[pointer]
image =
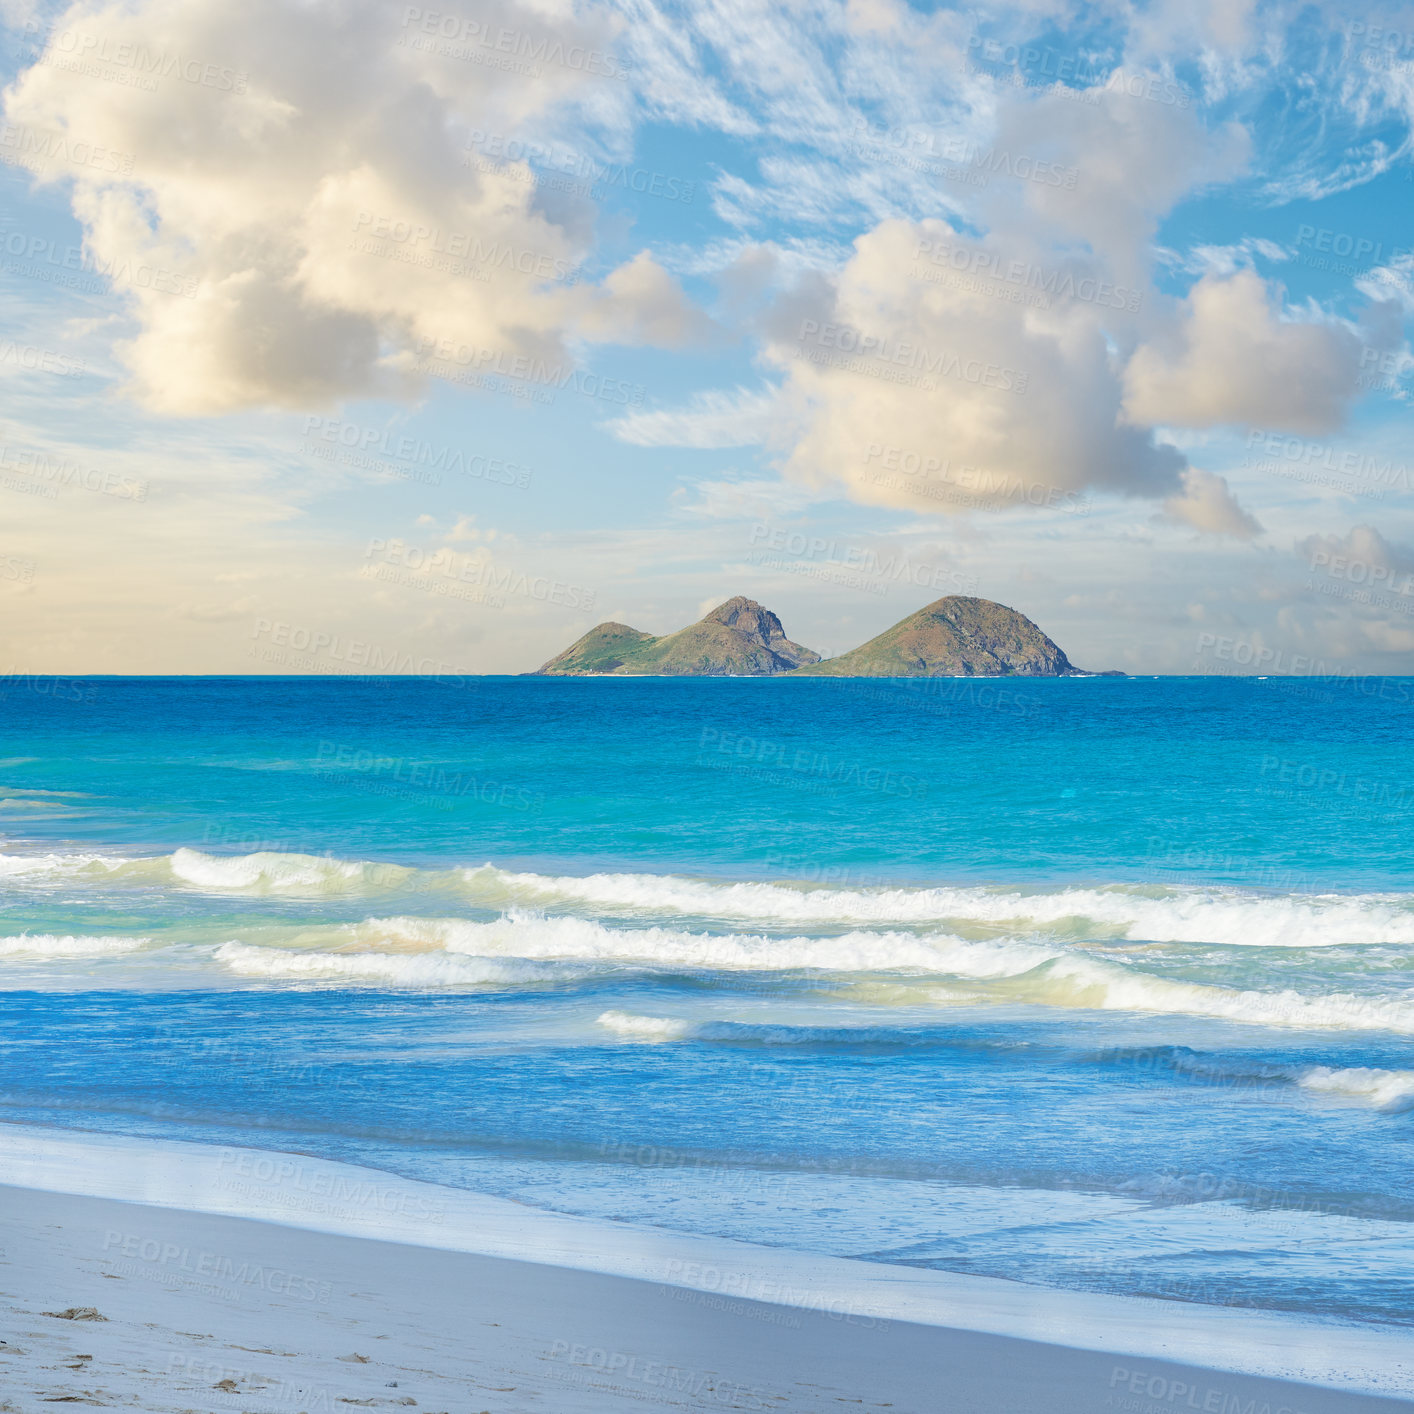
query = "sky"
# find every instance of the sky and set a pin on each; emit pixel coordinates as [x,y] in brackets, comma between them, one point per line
[345,337]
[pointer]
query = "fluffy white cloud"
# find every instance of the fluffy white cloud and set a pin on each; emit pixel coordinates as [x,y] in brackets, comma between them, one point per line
[1363,555]
[1208,505]
[318,191]
[920,385]
[1127,152]
[1232,357]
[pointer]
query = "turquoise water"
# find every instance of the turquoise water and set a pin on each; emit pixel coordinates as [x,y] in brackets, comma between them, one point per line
[1097,983]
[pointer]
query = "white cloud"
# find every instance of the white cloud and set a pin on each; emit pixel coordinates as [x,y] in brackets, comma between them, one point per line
[749,499]
[741,418]
[1363,548]
[1209,507]
[903,382]
[1232,357]
[320,200]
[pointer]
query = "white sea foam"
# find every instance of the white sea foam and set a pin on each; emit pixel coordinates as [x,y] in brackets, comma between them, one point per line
[398,970]
[524,934]
[33,945]
[1137,913]
[645,1028]
[1389,1090]
[668,1028]
[1088,982]
[273,872]
[56,867]
[1155,914]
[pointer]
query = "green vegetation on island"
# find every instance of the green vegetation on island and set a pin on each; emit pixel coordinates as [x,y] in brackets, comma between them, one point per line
[956,636]
[737,639]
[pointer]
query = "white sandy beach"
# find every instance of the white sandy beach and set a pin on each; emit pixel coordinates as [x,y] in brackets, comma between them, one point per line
[241,1280]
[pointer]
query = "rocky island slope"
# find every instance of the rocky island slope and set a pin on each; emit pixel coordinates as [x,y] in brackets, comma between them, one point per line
[740,638]
[957,636]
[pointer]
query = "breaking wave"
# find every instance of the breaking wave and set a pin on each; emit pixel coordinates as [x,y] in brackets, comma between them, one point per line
[33,945]
[1227,917]
[428,970]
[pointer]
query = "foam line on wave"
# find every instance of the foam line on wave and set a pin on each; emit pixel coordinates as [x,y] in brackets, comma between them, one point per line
[1228,917]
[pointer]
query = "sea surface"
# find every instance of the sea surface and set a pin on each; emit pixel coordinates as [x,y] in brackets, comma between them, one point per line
[1100,984]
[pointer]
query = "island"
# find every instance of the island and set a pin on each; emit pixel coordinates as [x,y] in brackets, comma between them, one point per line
[956,636]
[739,639]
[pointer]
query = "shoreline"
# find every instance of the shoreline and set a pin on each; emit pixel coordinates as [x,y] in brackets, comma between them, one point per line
[171,1217]
[216,1314]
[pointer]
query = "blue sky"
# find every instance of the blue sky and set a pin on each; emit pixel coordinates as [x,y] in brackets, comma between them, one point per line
[439,335]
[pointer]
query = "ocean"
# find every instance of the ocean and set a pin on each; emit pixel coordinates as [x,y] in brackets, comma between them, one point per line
[1096,984]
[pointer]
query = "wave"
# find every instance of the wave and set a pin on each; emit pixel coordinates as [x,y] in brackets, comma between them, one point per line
[930,947]
[1000,970]
[429,970]
[635,1026]
[646,1028]
[520,933]
[1104,986]
[34,945]
[1391,1091]
[1136,913]
[268,871]
[265,872]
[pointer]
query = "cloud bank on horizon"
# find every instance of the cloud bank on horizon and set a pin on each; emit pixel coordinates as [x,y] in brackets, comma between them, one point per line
[1091,306]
